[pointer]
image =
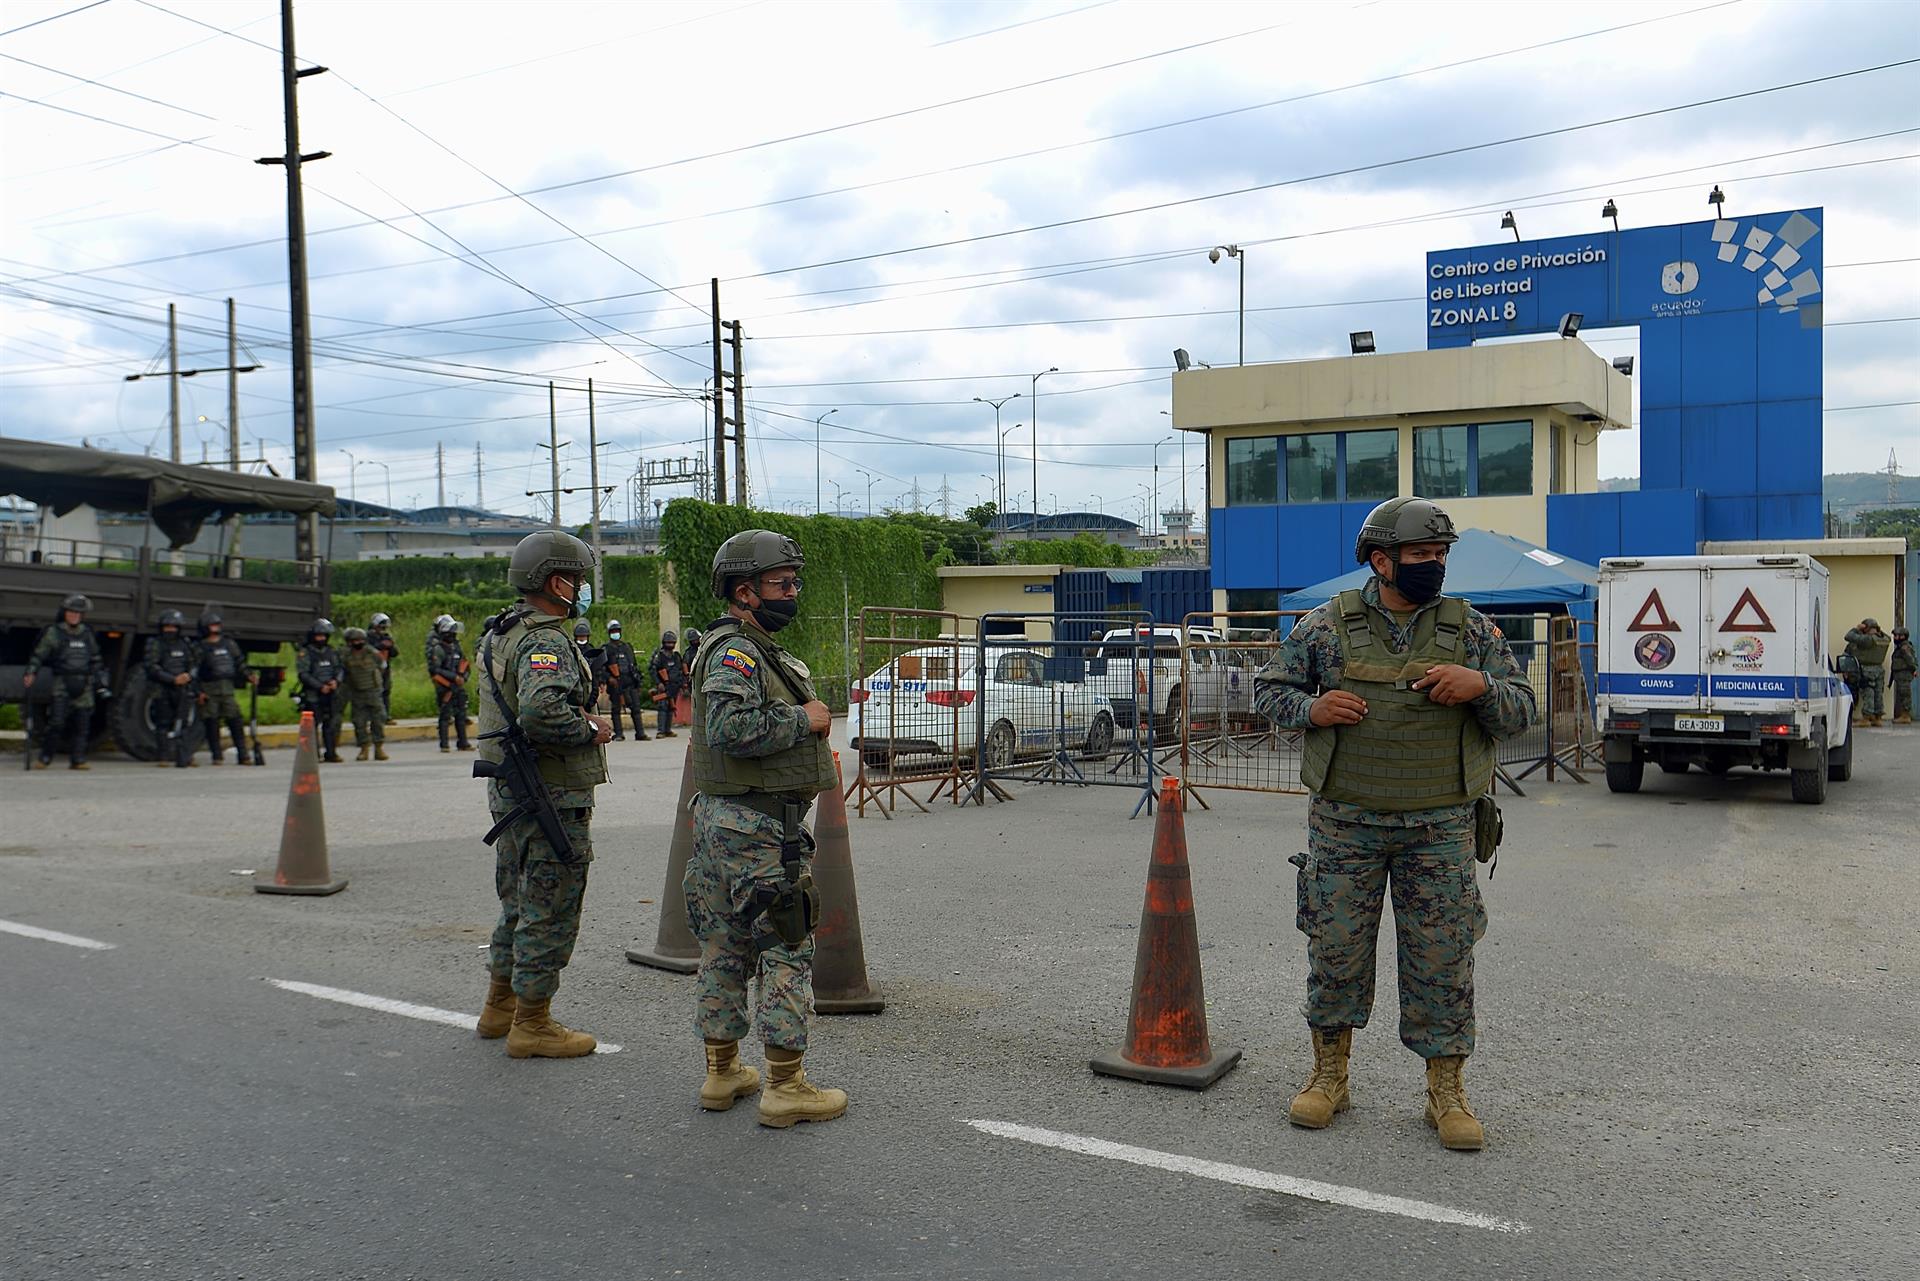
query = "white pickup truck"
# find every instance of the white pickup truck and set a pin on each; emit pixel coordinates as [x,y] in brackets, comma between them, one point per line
[1215,683]
[1718,661]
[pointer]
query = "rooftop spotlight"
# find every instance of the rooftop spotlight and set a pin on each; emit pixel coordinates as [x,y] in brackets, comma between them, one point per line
[1611,210]
[1508,224]
[1361,340]
[1570,323]
[1181,360]
[1623,365]
[1717,198]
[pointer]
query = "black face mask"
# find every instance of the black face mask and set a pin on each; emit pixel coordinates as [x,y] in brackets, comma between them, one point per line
[772,615]
[1420,581]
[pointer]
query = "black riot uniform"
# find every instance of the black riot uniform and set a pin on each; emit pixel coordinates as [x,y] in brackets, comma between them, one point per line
[223,667]
[319,668]
[669,678]
[69,656]
[171,656]
[623,683]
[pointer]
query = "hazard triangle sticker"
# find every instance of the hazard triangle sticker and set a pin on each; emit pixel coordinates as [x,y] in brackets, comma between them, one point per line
[1653,616]
[1759,622]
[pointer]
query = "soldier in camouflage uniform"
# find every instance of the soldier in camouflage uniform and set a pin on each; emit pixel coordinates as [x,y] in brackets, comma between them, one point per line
[70,653]
[222,664]
[760,757]
[534,675]
[1904,665]
[447,665]
[317,669]
[364,666]
[170,662]
[1402,693]
[1867,645]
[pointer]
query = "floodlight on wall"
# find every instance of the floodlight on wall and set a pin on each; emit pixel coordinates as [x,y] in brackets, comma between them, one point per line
[1570,323]
[1361,340]
[1508,224]
[1717,198]
[1611,210]
[1623,365]
[1181,360]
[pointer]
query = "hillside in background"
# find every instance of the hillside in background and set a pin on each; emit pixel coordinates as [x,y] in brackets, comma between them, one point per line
[1846,492]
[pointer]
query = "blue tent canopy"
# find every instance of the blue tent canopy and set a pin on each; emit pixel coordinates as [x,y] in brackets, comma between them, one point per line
[1497,573]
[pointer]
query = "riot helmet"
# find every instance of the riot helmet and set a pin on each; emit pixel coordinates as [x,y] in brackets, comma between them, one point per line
[613,629]
[322,627]
[668,640]
[1399,522]
[459,628]
[582,630]
[380,621]
[443,624]
[78,603]
[172,618]
[750,553]
[693,639]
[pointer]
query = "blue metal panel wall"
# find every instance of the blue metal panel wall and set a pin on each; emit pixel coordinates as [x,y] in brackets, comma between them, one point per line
[1308,544]
[1729,314]
[1243,540]
[1660,522]
[1171,594]
[1083,593]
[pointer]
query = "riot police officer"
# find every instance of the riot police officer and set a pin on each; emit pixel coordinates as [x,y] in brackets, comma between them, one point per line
[596,660]
[623,683]
[222,664]
[669,678]
[70,653]
[531,677]
[760,757]
[318,667]
[447,665]
[380,640]
[362,669]
[1402,693]
[170,662]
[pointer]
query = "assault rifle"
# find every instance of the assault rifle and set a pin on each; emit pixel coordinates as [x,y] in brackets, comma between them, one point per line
[519,771]
[253,723]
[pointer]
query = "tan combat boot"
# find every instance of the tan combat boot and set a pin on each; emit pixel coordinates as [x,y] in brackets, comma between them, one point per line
[364,750]
[496,1016]
[1447,1108]
[1325,1092]
[537,1034]
[790,1097]
[380,752]
[727,1077]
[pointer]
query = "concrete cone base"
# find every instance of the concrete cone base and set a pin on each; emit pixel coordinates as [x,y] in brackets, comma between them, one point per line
[325,887]
[1192,1078]
[659,960]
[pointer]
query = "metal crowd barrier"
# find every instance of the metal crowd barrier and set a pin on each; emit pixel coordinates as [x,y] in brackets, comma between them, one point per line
[908,709]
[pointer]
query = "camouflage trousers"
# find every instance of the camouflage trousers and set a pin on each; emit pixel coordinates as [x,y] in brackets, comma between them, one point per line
[1903,694]
[369,717]
[540,901]
[1426,858]
[1873,689]
[736,851]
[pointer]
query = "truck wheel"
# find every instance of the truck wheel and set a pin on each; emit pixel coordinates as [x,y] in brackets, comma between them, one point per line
[133,716]
[1810,785]
[1840,761]
[1625,776]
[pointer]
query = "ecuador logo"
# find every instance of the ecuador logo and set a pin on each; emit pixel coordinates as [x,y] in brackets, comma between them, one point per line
[543,662]
[740,661]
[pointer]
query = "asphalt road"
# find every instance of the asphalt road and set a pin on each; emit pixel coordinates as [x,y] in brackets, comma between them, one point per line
[1698,1022]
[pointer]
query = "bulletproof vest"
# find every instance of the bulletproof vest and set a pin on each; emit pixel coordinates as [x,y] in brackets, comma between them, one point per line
[218,664]
[805,769]
[363,668]
[77,651]
[384,642]
[172,656]
[1408,753]
[324,663]
[570,765]
[1872,652]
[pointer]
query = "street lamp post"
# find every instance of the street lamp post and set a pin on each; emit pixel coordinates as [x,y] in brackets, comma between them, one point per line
[1033,394]
[375,462]
[869,476]
[1003,463]
[353,475]
[1156,482]
[816,458]
[1000,490]
[1236,252]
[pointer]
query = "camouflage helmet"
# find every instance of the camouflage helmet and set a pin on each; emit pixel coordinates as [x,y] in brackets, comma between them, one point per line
[172,618]
[752,552]
[1871,622]
[544,553]
[321,627]
[77,603]
[1399,521]
[356,634]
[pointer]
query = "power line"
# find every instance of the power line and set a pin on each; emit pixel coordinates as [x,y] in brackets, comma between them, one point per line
[55,17]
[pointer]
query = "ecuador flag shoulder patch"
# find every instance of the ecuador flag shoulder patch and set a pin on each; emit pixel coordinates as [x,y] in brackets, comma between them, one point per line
[740,661]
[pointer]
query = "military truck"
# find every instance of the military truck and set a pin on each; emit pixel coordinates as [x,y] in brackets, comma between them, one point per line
[262,603]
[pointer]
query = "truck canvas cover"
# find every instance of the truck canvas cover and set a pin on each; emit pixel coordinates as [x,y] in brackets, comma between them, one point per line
[180,497]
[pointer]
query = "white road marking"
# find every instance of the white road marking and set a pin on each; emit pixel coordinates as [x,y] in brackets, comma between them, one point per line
[1242,1176]
[55,936]
[388,1005]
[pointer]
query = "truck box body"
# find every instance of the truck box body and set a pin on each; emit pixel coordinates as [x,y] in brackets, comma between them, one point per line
[1718,661]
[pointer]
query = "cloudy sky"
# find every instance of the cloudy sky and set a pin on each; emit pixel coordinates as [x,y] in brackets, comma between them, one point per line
[908,205]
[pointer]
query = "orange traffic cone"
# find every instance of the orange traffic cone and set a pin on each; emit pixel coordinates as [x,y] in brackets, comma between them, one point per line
[839,957]
[1167,1041]
[303,837]
[674,948]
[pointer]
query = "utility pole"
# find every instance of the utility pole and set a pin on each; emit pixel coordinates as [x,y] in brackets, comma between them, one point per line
[739,418]
[553,450]
[719,408]
[306,539]
[233,429]
[440,472]
[173,384]
[479,480]
[593,480]
[175,374]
